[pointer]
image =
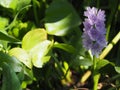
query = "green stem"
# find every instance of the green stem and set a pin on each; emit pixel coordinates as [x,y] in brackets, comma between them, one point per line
[96,78]
[94,63]
[96,74]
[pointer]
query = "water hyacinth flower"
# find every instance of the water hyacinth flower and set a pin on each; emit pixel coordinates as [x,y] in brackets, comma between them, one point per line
[94,30]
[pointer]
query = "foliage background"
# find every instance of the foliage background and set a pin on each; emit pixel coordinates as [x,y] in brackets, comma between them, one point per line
[41,48]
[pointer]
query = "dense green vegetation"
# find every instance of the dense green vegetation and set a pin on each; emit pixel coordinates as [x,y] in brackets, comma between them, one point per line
[41,46]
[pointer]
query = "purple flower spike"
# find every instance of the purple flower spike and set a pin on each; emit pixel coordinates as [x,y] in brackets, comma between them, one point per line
[94,30]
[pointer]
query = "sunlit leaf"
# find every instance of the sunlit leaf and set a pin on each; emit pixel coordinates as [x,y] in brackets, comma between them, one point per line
[21,55]
[10,79]
[66,66]
[9,3]
[3,22]
[14,4]
[39,52]
[66,47]
[32,38]
[60,18]
[67,74]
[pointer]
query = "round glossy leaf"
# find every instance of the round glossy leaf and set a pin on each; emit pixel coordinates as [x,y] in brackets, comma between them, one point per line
[39,52]
[14,4]
[61,18]
[21,55]
[9,3]
[32,38]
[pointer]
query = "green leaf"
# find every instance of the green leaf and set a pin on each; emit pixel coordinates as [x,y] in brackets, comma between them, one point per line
[39,53]
[7,37]
[61,18]
[66,47]
[101,63]
[33,38]
[13,62]
[29,73]
[66,65]
[3,22]
[9,3]
[10,79]
[28,77]
[117,69]
[21,55]
[3,45]
[14,4]
[67,73]
[21,75]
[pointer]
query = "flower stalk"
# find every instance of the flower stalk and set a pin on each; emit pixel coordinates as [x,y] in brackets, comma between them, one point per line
[96,77]
[96,74]
[94,37]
